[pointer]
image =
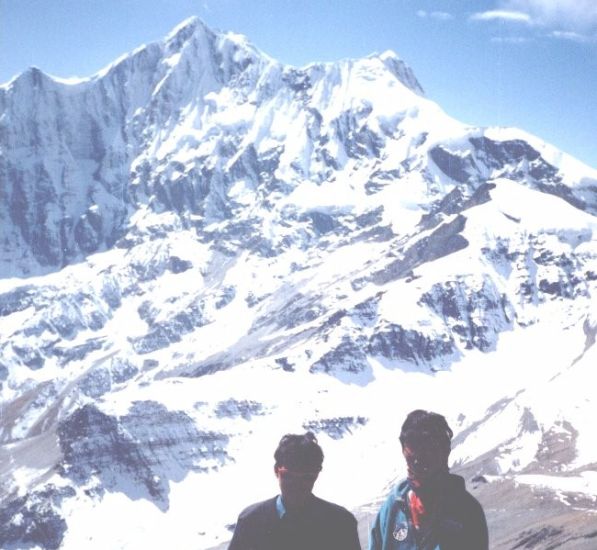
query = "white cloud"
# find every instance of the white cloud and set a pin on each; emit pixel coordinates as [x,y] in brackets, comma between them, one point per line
[503,15]
[564,19]
[579,16]
[574,36]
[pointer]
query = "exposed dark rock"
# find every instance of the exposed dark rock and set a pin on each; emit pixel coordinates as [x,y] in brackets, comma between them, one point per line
[445,240]
[111,293]
[322,223]
[34,520]
[555,288]
[149,364]
[150,269]
[537,539]
[139,453]
[284,364]
[337,427]
[96,382]
[365,314]
[357,138]
[240,234]
[348,356]
[243,409]
[333,320]
[252,300]
[456,201]
[372,230]
[177,265]
[372,217]
[164,333]
[18,299]
[515,159]
[528,422]
[76,353]
[245,165]
[557,450]
[63,317]
[500,254]
[88,232]
[147,312]
[498,154]
[57,228]
[328,159]
[395,342]
[204,368]
[29,356]
[297,80]
[380,179]
[268,162]
[378,234]
[226,295]
[122,370]
[477,316]
[459,168]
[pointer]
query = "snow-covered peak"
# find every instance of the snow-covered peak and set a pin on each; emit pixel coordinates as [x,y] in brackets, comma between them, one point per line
[31,78]
[401,70]
[187,27]
[192,29]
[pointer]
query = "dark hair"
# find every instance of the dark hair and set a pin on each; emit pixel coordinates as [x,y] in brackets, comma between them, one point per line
[300,451]
[421,426]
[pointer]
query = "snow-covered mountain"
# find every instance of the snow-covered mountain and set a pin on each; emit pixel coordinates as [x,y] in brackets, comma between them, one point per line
[203,249]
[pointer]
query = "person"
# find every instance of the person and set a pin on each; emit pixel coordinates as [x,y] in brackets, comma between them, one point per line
[431,509]
[296,519]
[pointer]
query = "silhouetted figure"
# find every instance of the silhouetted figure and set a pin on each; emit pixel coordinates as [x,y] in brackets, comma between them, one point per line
[431,509]
[296,519]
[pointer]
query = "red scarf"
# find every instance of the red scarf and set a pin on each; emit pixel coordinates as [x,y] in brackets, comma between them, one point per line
[417,509]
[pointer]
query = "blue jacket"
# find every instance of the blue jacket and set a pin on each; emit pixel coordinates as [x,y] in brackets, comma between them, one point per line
[457,523]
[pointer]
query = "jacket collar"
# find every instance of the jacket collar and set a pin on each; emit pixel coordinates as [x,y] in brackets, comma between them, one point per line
[445,486]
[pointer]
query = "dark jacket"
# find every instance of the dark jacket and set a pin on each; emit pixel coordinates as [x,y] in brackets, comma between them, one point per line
[456,523]
[321,525]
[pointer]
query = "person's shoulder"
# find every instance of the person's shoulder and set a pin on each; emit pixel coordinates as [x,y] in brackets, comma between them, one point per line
[398,492]
[464,497]
[473,504]
[400,489]
[331,509]
[263,507]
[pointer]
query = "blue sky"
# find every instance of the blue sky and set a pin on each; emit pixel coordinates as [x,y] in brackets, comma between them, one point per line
[525,63]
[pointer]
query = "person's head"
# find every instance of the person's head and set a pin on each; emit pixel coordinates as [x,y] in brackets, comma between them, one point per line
[426,441]
[298,461]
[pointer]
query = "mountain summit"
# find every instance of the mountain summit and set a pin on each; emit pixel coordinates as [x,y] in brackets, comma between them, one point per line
[75,154]
[203,249]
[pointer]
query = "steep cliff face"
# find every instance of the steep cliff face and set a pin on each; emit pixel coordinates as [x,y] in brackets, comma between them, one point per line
[173,125]
[203,249]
